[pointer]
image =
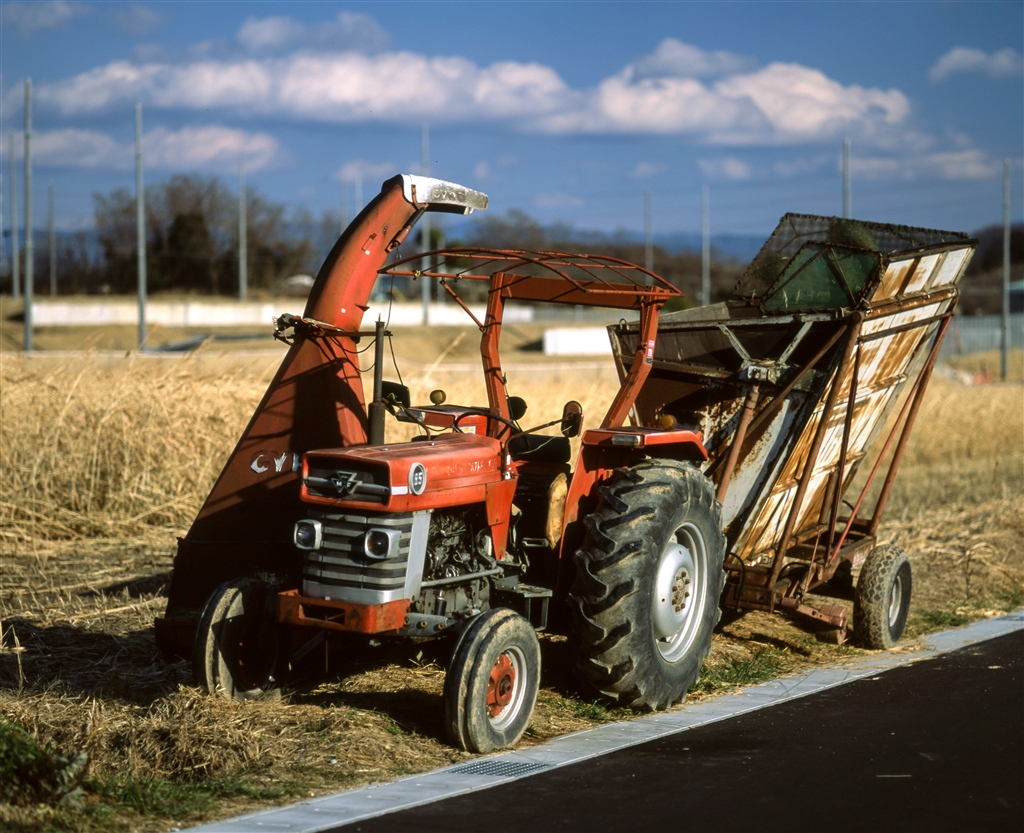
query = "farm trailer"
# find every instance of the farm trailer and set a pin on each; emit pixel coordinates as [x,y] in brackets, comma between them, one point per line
[715,478]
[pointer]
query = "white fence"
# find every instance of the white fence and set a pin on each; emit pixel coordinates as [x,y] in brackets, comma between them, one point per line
[981,333]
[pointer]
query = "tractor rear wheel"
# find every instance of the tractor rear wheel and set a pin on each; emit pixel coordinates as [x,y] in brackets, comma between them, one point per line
[882,599]
[236,649]
[645,597]
[491,685]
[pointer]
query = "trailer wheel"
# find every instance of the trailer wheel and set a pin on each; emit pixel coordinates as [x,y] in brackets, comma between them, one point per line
[236,649]
[491,685]
[645,597]
[882,599]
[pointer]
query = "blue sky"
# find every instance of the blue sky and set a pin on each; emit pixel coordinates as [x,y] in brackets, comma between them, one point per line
[568,111]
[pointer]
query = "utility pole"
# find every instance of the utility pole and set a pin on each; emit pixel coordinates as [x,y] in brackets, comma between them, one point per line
[53,247]
[243,238]
[846,179]
[29,246]
[648,234]
[140,226]
[1005,341]
[425,222]
[15,245]
[705,246]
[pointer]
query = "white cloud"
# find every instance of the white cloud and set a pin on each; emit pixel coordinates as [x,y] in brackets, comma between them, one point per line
[1004,63]
[70,148]
[349,30]
[970,164]
[646,169]
[210,147]
[652,105]
[880,167]
[778,104]
[726,167]
[556,200]
[677,59]
[481,171]
[145,53]
[800,104]
[368,171]
[41,15]
[962,164]
[270,33]
[137,19]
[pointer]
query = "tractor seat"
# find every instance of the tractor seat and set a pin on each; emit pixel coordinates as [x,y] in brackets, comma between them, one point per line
[540,448]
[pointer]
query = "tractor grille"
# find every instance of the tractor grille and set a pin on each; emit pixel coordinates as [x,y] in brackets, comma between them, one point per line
[340,569]
[326,479]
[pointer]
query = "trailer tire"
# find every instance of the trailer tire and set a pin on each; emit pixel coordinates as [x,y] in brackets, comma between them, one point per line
[655,536]
[882,600]
[236,651]
[492,681]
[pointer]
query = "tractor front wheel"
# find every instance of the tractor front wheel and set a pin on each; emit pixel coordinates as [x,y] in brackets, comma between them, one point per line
[236,649]
[645,597]
[491,685]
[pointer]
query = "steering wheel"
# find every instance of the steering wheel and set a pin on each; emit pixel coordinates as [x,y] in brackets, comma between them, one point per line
[483,412]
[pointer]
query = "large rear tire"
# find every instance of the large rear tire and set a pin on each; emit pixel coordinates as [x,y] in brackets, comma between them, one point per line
[882,599]
[491,685]
[649,577]
[236,650]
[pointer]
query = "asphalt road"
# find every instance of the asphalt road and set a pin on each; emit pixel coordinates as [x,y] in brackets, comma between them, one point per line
[936,745]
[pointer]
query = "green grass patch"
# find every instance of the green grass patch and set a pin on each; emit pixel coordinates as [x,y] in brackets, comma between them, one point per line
[936,619]
[1012,599]
[30,774]
[764,664]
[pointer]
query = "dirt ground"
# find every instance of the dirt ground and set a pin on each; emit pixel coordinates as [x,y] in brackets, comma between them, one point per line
[81,582]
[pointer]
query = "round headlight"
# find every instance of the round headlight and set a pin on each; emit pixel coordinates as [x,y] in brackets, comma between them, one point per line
[377,544]
[307,535]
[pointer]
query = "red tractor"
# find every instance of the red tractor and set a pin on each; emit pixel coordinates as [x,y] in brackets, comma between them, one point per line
[317,527]
[748,422]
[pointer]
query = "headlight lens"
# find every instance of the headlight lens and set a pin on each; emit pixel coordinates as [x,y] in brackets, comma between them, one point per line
[378,543]
[308,535]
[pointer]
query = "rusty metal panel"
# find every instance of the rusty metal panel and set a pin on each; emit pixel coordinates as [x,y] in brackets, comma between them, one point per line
[884,369]
[951,269]
[893,280]
[923,271]
[708,359]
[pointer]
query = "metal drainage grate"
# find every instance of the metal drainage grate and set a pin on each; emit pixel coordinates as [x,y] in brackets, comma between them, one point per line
[500,769]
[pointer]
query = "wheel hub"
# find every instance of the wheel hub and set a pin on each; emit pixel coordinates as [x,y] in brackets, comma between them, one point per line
[895,601]
[674,583]
[501,685]
[680,591]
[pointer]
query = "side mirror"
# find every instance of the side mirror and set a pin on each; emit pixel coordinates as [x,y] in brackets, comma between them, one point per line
[516,407]
[395,394]
[572,419]
[437,397]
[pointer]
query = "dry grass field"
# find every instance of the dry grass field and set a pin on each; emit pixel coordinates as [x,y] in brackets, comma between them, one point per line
[103,464]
